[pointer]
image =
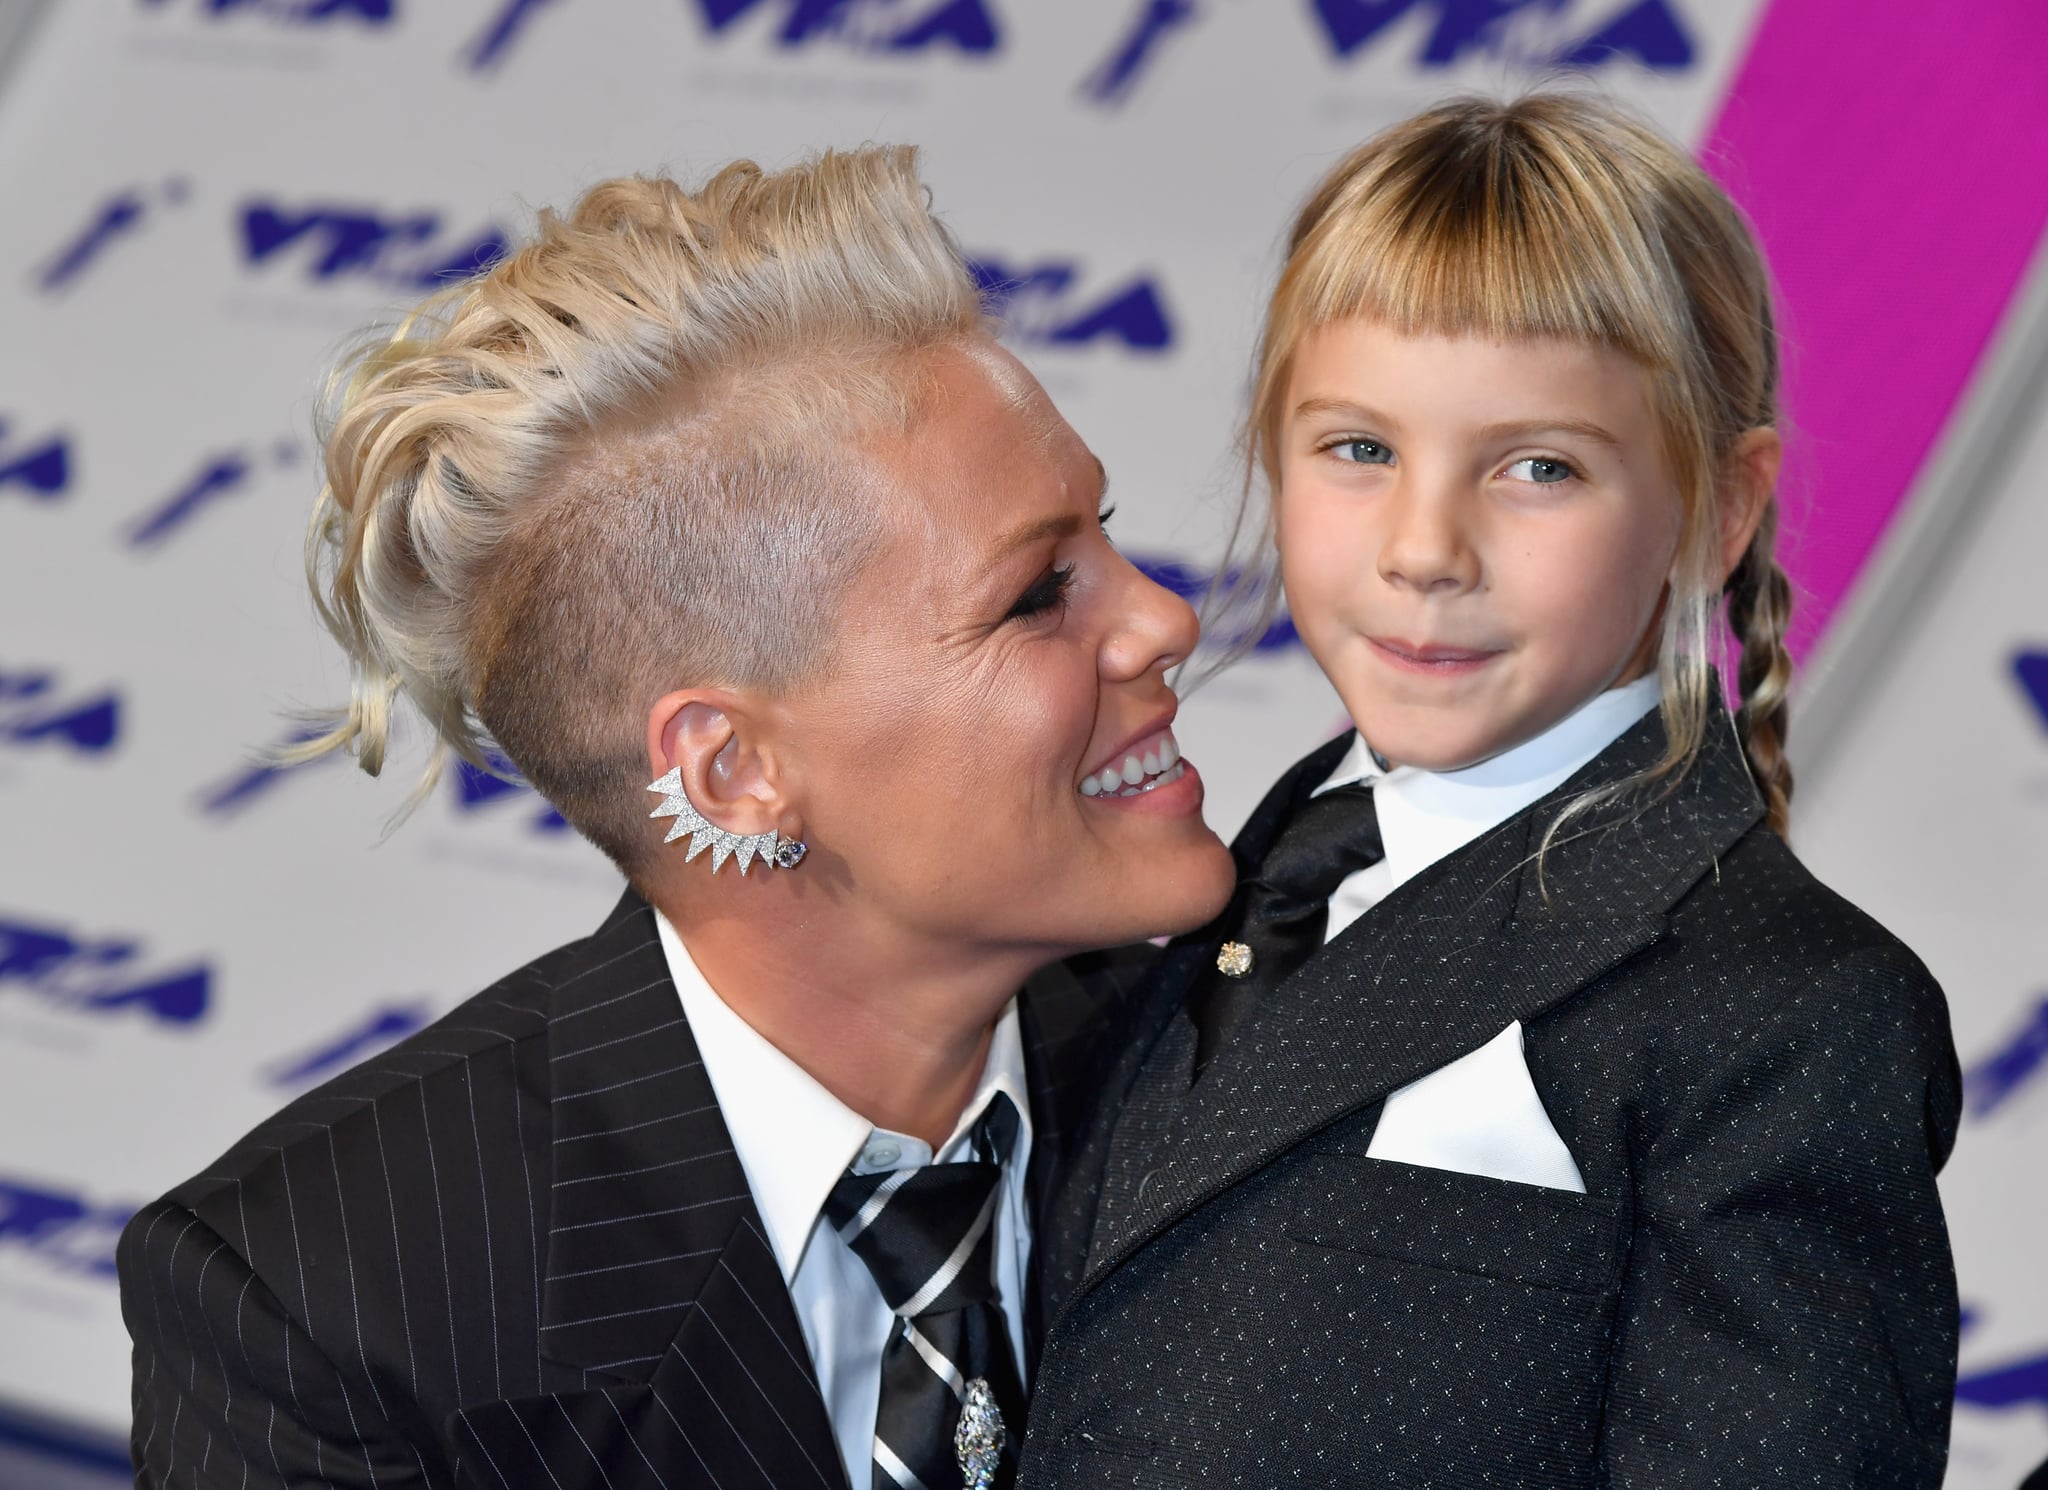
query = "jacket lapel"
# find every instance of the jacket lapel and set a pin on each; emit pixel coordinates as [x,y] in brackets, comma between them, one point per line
[1443,965]
[667,1329]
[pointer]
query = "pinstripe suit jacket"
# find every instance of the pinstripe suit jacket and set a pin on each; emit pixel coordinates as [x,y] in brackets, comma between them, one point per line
[515,1250]
[1756,1081]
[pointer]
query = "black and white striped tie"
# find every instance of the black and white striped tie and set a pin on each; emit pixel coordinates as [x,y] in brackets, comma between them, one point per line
[952,1400]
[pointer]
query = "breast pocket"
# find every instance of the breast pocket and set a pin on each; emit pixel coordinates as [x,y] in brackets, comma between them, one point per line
[1463,1223]
[1468,1321]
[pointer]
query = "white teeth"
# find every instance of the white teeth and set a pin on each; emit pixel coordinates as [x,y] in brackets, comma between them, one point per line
[1136,775]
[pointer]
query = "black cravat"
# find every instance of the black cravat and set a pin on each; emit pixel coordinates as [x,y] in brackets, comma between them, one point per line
[1284,909]
[952,1401]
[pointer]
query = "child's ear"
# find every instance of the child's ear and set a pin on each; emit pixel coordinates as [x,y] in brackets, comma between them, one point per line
[1749,479]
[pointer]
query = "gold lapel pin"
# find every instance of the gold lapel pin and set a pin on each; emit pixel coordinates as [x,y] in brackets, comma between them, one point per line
[1233,959]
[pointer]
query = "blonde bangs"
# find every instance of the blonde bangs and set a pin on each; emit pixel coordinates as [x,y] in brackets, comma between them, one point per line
[1512,232]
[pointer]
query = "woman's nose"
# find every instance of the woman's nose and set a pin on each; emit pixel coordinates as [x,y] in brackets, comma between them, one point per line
[1152,627]
[1427,546]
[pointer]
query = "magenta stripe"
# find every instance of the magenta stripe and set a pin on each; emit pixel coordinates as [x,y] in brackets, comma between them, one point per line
[1893,155]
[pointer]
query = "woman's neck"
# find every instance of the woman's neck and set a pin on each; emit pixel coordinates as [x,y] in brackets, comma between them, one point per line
[899,1040]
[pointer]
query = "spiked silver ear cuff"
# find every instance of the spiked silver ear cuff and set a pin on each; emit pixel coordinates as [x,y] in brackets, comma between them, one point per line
[770,847]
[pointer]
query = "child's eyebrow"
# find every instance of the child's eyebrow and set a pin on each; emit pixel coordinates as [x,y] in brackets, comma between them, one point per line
[1310,408]
[1523,429]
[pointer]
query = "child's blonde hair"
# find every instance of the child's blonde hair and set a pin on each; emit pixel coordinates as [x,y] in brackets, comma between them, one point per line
[1556,215]
[616,464]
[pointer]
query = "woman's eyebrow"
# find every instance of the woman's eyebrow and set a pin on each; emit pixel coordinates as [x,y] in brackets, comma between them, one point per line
[1024,534]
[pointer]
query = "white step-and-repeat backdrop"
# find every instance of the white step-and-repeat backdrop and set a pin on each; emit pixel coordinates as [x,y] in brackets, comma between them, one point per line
[199,199]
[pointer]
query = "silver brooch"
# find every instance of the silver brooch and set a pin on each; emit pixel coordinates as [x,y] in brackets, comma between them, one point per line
[1233,959]
[978,1441]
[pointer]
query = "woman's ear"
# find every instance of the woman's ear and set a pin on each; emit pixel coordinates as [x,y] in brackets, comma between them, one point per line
[1748,482]
[714,738]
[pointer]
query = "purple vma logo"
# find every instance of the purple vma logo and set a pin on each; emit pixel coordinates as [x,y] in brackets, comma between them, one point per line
[223,474]
[1647,31]
[331,241]
[381,1027]
[327,241]
[34,710]
[68,1232]
[967,26]
[37,467]
[102,976]
[284,12]
[1046,305]
[1535,33]
[2011,1383]
[2030,671]
[469,788]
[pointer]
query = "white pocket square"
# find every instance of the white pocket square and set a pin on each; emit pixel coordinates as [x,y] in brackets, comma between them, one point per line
[1478,1115]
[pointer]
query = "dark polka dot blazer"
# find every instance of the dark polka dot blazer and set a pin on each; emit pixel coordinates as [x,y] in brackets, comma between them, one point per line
[1756,1081]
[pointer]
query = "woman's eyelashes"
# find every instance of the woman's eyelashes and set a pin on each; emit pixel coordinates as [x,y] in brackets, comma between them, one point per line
[1048,592]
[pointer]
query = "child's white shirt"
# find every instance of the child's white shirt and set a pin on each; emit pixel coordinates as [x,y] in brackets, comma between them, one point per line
[1480,1114]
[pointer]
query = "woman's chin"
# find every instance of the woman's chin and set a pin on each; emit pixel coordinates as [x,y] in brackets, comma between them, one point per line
[1173,888]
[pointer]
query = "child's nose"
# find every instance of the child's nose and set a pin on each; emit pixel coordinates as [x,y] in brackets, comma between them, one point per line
[1427,547]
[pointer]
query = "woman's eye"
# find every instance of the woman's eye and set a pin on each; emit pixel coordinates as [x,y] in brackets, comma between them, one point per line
[1362,452]
[1541,470]
[1046,593]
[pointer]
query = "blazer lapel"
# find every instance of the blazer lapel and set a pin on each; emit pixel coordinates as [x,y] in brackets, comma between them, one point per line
[1466,948]
[665,1323]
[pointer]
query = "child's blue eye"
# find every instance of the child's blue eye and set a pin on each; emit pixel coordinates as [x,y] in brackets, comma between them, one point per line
[1540,470]
[1362,452]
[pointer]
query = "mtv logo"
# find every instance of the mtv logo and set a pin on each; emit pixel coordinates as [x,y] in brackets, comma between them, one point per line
[865,25]
[33,711]
[340,242]
[1047,305]
[1648,31]
[98,976]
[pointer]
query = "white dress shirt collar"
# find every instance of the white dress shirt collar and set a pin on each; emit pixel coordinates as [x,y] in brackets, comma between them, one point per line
[1425,816]
[793,1137]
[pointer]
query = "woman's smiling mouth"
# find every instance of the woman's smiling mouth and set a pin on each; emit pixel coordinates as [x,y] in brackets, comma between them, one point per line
[1147,764]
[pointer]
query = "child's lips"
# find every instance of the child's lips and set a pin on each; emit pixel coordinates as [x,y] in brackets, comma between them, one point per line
[1432,657]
